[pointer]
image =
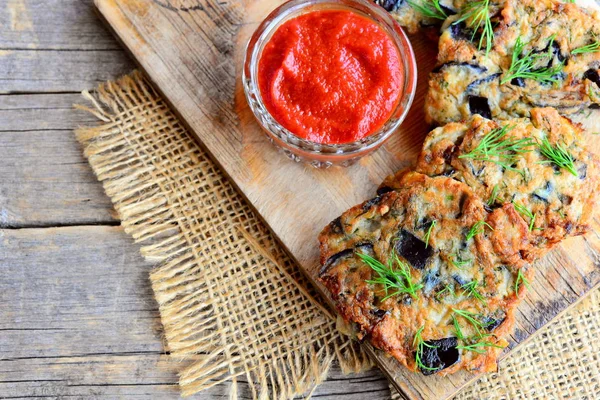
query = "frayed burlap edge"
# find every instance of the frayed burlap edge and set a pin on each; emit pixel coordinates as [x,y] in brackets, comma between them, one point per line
[232,303]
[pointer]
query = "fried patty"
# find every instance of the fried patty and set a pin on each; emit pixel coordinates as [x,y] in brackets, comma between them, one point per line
[413,20]
[555,202]
[438,231]
[411,16]
[500,85]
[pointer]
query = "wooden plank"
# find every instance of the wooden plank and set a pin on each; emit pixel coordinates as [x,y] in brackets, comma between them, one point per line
[47,46]
[194,57]
[55,46]
[45,180]
[35,112]
[77,314]
[78,320]
[370,385]
[52,24]
[28,71]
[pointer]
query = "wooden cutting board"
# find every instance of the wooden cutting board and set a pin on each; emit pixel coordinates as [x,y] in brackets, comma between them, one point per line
[192,50]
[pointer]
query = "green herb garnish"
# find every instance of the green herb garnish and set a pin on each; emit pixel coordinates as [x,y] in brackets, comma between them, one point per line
[525,213]
[496,148]
[589,48]
[458,262]
[447,289]
[477,16]
[493,195]
[428,233]
[558,155]
[521,280]
[429,8]
[470,317]
[471,289]
[419,345]
[477,228]
[457,330]
[477,343]
[524,65]
[397,280]
[478,347]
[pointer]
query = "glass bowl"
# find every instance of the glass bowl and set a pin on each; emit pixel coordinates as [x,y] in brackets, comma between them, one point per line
[317,154]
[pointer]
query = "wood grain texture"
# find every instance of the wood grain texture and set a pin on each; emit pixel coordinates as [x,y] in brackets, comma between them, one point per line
[192,51]
[45,180]
[78,320]
[44,47]
[52,24]
[55,46]
[77,314]
[72,71]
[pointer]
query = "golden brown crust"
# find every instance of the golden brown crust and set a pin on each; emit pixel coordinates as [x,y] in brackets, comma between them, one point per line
[469,81]
[411,19]
[444,257]
[462,225]
[511,237]
[561,202]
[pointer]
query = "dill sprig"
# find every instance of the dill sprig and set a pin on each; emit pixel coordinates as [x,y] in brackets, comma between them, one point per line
[495,147]
[419,345]
[397,280]
[428,233]
[477,228]
[521,280]
[558,155]
[524,66]
[470,317]
[476,343]
[447,289]
[477,17]
[478,347]
[458,262]
[457,330]
[589,48]
[525,213]
[429,8]
[471,289]
[493,195]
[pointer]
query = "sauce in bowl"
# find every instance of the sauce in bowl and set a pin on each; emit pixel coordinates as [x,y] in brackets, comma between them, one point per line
[329,81]
[331,76]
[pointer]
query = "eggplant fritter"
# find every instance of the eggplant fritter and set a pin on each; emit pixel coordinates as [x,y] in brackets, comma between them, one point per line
[542,54]
[415,16]
[555,200]
[415,271]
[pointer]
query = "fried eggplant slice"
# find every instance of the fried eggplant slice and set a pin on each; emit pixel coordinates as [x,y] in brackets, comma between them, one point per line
[541,54]
[417,274]
[415,15]
[535,169]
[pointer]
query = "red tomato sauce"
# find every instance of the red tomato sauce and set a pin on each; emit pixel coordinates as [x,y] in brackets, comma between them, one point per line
[330,76]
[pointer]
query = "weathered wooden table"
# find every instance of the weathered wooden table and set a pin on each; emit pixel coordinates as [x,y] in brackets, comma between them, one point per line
[77,316]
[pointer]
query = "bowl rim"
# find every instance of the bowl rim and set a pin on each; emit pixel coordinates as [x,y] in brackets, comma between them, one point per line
[306,147]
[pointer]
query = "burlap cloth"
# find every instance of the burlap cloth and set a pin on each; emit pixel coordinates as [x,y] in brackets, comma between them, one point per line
[233,305]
